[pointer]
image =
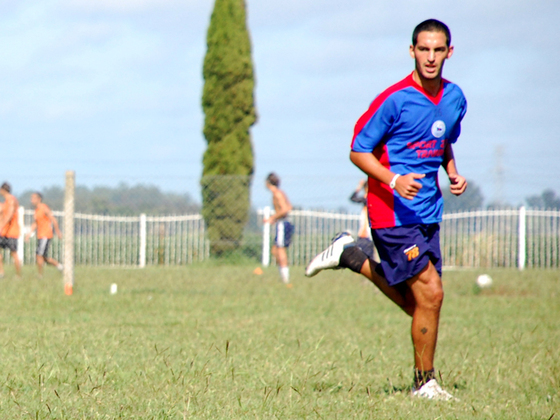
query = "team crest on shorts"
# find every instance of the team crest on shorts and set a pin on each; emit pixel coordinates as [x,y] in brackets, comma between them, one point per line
[412,252]
[438,129]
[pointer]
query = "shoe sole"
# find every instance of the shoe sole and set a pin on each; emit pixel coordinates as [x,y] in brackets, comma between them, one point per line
[326,254]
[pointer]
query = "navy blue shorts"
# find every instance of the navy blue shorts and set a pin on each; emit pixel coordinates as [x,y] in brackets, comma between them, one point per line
[43,247]
[284,230]
[366,245]
[10,243]
[406,250]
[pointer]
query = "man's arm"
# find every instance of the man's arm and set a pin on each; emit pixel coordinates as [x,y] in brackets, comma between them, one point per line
[31,230]
[54,223]
[405,185]
[458,183]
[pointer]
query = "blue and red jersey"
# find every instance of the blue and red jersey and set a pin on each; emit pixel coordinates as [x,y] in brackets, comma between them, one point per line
[407,130]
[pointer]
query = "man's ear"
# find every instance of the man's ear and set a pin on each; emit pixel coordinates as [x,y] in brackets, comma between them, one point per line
[450,52]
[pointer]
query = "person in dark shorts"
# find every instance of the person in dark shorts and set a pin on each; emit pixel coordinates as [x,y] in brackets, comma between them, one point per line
[364,240]
[9,228]
[44,223]
[400,142]
[284,228]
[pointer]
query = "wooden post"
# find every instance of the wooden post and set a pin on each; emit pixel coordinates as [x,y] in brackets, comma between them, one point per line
[161,245]
[142,256]
[266,238]
[21,239]
[522,239]
[69,232]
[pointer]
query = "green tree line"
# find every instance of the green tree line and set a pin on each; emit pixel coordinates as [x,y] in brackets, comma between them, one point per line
[122,200]
[473,199]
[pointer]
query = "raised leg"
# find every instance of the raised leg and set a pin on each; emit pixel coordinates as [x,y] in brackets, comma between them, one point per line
[400,295]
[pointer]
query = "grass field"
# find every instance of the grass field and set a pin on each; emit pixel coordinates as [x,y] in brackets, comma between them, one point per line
[211,342]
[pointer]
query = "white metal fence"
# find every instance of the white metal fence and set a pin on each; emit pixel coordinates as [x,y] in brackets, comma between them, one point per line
[313,231]
[127,241]
[517,238]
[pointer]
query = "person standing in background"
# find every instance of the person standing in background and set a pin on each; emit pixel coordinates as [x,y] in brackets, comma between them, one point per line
[284,227]
[9,228]
[364,240]
[44,224]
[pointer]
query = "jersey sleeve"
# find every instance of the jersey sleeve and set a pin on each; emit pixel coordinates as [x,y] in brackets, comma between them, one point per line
[456,131]
[375,124]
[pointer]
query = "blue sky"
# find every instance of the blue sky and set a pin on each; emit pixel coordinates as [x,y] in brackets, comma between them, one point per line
[111,89]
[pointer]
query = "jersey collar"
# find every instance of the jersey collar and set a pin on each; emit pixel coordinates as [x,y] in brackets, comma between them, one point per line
[434,99]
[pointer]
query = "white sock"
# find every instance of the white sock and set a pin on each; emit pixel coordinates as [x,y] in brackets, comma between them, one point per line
[285,274]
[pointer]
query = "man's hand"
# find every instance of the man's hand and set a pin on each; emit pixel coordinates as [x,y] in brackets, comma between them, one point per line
[458,184]
[406,185]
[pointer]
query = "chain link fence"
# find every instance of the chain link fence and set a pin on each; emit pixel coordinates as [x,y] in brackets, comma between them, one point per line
[229,230]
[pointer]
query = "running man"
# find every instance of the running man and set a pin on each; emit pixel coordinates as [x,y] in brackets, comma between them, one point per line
[44,223]
[9,228]
[284,228]
[400,142]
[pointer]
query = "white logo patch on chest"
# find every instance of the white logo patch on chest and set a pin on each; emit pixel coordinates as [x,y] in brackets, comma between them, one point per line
[438,129]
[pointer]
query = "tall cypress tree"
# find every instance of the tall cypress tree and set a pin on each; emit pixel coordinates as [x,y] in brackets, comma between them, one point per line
[229,109]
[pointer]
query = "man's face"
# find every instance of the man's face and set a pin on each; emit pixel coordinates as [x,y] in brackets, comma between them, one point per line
[35,199]
[430,53]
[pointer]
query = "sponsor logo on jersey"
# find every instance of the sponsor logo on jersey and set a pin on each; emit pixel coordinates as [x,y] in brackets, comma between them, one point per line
[438,129]
[412,252]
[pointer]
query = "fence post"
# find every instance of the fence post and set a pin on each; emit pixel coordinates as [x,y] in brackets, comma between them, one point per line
[69,233]
[522,238]
[266,238]
[21,238]
[142,262]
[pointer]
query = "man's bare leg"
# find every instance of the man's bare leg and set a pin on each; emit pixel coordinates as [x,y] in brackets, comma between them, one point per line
[55,263]
[421,297]
[40,264]
[52,261]
[17,263]
[402,296]
[343,253]
[427,289]
[282,261]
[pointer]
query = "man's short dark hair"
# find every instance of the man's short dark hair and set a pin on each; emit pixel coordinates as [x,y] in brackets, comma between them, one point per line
[431,25]
[273,179]
[6,187]
[38,194]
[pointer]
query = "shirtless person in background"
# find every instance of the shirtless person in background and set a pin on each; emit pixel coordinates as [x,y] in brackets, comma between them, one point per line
[284,228]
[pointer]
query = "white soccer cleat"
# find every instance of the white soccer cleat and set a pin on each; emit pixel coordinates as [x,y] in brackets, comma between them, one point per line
[432,391]
[330,257]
